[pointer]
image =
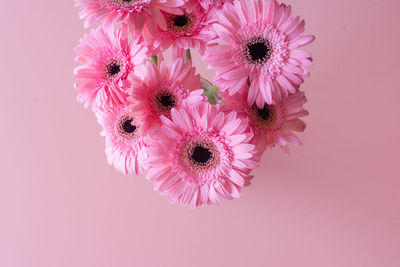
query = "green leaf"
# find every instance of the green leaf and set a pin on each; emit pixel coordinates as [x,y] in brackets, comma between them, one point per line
[154,59]
[188,55]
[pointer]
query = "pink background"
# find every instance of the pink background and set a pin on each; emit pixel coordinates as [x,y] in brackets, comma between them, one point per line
[334,202]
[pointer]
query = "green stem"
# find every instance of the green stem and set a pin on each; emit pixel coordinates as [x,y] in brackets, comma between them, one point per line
[188,55]
[210,94]
[154,59]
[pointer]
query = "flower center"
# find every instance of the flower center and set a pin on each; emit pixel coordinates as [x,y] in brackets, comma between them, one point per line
[125,127]
[113,68]
[201,155]
[165,101]
[128,127]
[258,50]
[180,23]
[264,113]
[265,116]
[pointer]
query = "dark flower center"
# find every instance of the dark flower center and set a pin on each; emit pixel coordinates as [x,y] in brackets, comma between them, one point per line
[125,128]
[258,50]
[264,113]
[181,20]
[265,116]
[181,24]
[164,102]
[128,127]
[113,68]
[201,155]
[167,100]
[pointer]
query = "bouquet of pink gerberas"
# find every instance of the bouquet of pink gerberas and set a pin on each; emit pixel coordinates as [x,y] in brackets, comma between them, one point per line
[195,140]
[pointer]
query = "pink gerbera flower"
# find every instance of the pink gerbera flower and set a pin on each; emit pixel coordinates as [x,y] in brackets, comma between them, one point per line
[201,154]
[258,44]
[137,13]
[193,29]
[124,144]
[107,59]
[162,88]
[272,124]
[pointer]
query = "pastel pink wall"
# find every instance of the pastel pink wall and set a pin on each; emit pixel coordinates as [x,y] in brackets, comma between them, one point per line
[333,203]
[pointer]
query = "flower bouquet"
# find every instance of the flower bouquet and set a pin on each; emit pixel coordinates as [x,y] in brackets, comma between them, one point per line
[196,140]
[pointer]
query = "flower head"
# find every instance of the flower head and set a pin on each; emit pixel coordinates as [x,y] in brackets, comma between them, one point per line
[136,13]
[273,124]
[257,46]
[106,61]
[192,29]
[163,88]
[201,154]
[124,144]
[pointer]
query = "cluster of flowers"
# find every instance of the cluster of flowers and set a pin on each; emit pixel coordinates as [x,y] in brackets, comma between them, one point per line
[160,122]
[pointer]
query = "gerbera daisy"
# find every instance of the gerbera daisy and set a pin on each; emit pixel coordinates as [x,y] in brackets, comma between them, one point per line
[201,154]
[137,13]
[258,44]
[107,59]
[162,88]
[124,144]
[273,124]
[192,29]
